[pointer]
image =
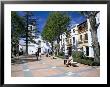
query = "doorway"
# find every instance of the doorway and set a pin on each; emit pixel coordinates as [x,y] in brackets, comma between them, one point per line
[87,51]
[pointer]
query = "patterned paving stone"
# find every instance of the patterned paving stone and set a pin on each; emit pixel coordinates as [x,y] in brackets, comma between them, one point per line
[17,74]
[90,73]
[54,67]
[69,73]
[37,66]
[26,70]
[17,67]
[45,72]
[48,67]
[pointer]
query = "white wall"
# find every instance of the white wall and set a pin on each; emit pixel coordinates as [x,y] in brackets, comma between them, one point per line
[32,48]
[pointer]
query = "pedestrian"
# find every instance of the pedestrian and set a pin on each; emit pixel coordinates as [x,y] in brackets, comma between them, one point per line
[65,56]
[47,54]
[37,54]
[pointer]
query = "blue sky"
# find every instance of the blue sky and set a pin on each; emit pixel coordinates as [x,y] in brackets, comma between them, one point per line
[76,18]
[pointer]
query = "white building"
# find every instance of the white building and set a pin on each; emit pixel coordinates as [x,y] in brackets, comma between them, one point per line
[32,47]
[81,39]
[63,42]
[74,37]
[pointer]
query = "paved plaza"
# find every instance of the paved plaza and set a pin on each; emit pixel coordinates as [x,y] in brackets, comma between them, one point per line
[49,67]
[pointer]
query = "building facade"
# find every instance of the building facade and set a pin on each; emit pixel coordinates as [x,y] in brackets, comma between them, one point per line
[80,38]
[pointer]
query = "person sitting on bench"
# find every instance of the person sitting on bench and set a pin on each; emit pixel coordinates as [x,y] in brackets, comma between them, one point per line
[70,62]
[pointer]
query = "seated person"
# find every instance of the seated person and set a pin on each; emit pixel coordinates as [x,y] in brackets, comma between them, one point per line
[70,59]
[70,62]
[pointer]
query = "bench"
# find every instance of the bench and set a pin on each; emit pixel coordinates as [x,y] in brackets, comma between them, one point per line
[74,64]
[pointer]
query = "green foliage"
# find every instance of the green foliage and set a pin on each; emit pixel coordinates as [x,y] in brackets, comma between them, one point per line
[85,61]
[95,64]
[56,54]
[17,30]
[20,28]
[61,53]
[79,56]
[17,26]
[56,24]
[29,20]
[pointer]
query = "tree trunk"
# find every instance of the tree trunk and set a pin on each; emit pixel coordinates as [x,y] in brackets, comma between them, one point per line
[58,41]
[52,47]
[95,43]
[27,36]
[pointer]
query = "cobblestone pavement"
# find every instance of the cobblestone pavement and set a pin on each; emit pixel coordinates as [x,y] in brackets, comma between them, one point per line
[48,67]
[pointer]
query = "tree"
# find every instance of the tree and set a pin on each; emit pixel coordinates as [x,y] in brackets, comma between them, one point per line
[29,20]
[17,29]
[56,24]
[91,15]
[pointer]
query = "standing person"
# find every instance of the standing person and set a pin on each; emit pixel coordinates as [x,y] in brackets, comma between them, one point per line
[40,54]
[37,54]
[47,55]
[48,52]
[65,56]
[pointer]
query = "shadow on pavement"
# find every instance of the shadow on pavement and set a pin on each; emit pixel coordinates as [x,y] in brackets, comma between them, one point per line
[24,59]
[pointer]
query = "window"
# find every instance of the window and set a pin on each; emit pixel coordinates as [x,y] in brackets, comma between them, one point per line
[73,39]
[63,39]
[86,36]
[81,37]
[30,27]
[73,30]
[87,51]
[61,36]
[70,41]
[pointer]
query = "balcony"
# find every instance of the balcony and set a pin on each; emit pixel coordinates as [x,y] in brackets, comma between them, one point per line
[85,41]
[80,42]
